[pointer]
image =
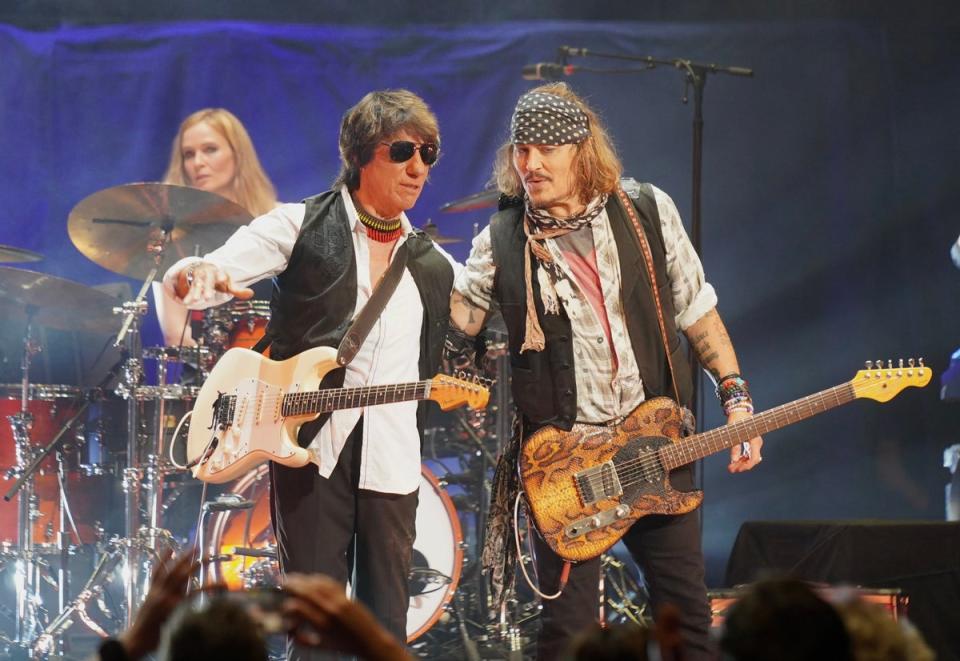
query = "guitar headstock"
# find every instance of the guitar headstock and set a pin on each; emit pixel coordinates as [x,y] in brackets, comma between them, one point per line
[883,383]
[451,392]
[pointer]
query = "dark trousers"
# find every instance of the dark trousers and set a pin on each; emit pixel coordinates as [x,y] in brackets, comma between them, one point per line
[667,549]
[330,526]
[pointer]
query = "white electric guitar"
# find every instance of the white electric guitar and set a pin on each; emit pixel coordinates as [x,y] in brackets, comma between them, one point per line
[250,408]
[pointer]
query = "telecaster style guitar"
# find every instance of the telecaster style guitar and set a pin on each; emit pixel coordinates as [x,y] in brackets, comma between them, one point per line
[250,408]
[585,487]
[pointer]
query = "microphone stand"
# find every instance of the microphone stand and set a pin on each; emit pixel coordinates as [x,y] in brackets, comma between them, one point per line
[694,75]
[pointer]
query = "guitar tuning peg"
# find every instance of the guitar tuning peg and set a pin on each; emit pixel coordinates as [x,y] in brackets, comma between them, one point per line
[869,364]
[878,364]
[910,362]
[889,363]
[921,363]
[901,363]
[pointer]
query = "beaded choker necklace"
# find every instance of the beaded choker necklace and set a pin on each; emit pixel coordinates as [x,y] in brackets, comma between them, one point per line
[378,229]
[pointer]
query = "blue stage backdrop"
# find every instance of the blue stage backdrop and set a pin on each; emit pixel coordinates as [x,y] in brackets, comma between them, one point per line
[829,196]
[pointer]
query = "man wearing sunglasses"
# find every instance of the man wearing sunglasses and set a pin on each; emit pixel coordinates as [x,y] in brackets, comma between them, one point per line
[357,513]
[568,261]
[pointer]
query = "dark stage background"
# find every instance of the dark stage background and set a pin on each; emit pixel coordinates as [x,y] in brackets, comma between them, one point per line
[829,198]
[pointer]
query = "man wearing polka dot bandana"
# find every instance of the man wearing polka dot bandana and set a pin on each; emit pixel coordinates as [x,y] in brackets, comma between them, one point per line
[567,261]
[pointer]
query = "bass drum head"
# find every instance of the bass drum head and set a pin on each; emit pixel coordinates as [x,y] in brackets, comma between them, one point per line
[437,557]
[437,551]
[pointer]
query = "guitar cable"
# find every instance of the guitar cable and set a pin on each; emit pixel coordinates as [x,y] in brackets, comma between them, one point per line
[565,572]
[173,442]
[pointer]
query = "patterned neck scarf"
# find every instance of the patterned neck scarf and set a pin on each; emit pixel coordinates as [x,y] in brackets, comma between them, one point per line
[538,226]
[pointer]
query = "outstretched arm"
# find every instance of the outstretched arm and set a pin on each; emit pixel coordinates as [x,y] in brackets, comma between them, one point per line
[710,341]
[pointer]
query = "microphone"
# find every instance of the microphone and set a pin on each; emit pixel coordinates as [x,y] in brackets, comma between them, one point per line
[547,71]
[570,51]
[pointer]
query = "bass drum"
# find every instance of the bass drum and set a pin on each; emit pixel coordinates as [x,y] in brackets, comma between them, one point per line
[437,551]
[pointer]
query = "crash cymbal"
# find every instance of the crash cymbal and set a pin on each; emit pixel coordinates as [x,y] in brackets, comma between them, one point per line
[119,228]
[482,200]
[12,255]
[54,302]
[434,233]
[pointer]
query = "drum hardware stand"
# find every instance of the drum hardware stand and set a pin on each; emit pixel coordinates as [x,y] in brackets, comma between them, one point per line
[137,539]
[222,503]
[92,589]
[27,575]
[27,566]
[623,603]
[469,645]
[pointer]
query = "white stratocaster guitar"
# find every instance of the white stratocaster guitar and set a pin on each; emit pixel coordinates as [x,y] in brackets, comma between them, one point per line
[250,408]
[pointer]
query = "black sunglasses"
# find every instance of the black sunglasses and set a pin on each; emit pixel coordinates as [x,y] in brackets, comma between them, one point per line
[401,151]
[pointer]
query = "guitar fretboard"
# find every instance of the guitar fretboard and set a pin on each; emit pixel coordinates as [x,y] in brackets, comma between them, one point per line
[333,399]
[702,445]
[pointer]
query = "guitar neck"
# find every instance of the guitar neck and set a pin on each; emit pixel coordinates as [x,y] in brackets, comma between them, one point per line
[333,399]
[701,445]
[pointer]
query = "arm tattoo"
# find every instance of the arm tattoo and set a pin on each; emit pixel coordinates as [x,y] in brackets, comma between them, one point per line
[474,314]
[708,350]
[466,314]
[707,363]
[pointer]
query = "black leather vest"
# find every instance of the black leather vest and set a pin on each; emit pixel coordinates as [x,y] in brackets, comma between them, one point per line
[543,382]
[314,298]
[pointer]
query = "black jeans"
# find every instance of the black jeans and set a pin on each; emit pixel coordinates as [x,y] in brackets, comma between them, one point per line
[330,526]
[667,548]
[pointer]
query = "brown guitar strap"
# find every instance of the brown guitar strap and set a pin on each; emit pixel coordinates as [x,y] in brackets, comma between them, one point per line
[363,322]
[651,272]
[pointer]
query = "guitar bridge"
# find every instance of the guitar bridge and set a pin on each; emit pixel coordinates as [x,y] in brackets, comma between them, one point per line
[598,483]
[223,408]
[599,520]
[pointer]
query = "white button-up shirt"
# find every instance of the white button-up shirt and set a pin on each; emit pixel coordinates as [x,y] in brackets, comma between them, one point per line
[390,353]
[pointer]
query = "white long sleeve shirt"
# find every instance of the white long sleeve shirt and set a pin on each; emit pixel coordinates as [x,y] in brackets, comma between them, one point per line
[390,353]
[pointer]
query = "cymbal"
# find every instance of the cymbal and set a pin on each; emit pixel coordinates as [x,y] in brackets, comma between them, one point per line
[482,200]
[434,233]
[54,302]
[11,255]
[119,228]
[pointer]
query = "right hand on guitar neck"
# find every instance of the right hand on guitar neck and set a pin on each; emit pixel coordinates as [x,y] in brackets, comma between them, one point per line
[198,283]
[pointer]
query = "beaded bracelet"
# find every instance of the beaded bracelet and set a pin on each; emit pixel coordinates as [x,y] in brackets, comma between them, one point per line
[734,394]
[738,405]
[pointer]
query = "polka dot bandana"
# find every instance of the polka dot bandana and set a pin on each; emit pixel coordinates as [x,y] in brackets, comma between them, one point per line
[546,119]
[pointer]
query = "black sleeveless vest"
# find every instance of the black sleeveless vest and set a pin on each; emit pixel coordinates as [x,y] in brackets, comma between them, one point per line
[314,298]
[543,382]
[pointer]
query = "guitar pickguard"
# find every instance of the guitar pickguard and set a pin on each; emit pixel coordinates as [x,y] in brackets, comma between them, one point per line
[255,423]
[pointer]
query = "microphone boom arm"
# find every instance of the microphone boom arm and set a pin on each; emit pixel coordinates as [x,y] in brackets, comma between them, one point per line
[650,61]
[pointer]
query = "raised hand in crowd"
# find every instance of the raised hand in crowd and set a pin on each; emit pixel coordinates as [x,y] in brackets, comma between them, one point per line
[168,588]
[321,615]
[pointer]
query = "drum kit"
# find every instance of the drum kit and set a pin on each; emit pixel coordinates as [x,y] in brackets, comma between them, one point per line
[75,455]
[94,486]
